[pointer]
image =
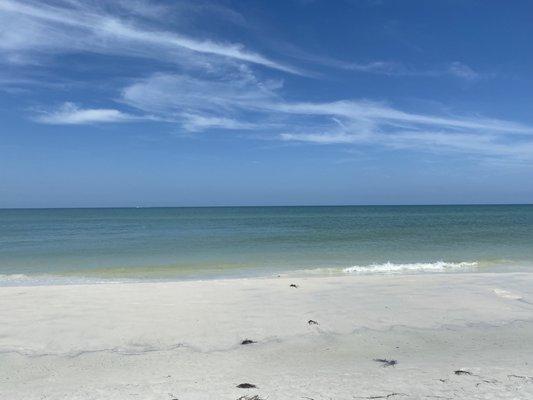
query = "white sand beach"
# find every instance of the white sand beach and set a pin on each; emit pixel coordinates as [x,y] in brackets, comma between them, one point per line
[182,340]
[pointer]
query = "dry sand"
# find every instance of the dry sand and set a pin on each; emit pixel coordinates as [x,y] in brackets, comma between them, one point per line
[182,340]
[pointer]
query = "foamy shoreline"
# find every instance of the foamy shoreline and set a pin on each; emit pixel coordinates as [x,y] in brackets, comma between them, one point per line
[183,339]
[130,275]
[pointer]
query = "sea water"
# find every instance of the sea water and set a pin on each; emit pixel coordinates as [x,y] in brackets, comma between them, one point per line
[43,246]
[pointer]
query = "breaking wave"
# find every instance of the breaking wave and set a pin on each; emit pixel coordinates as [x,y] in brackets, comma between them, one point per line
[392,268]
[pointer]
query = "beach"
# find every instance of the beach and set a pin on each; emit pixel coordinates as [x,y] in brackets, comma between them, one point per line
[266,200]
[447,336]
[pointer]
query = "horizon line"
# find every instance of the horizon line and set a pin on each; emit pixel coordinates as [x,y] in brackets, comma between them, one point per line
[271,206]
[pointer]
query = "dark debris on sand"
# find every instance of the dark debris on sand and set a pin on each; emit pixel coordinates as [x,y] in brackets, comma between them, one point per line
[521,377]
[248,341]
[385,362]
[293,285]
[312,322]
[462,372]
[255,397]
[386,396]
[246,386]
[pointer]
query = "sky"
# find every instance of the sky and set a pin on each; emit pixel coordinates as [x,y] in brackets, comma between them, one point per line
[295,102]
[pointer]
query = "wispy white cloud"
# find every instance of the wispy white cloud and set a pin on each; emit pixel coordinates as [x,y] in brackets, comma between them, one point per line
[251,104]
[463,71]
[74,25]
[392,68]
[215,86]
[375,67]
[455,69]
[197,123]
[34,30]
[369,123]
[70,114]
[378,112]
[178,93]
[222,101]
[322,138]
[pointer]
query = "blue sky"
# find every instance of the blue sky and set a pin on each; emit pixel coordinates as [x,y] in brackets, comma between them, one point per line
[131,102]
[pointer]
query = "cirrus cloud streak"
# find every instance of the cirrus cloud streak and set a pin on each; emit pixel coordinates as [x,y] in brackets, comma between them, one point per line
[251,104]
[71,114]
[64,26]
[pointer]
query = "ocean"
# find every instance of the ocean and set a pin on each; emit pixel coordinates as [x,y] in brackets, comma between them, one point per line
[62,246]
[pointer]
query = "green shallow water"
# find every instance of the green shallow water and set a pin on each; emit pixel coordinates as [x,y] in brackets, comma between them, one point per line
[180,243]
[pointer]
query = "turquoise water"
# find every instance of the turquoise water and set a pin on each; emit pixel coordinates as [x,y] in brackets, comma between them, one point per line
[72,245]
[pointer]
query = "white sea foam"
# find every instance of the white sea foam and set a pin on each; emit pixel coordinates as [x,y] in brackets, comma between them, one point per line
[40,280]
[27,280]
[385,268]
[392,268]
[13,277]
